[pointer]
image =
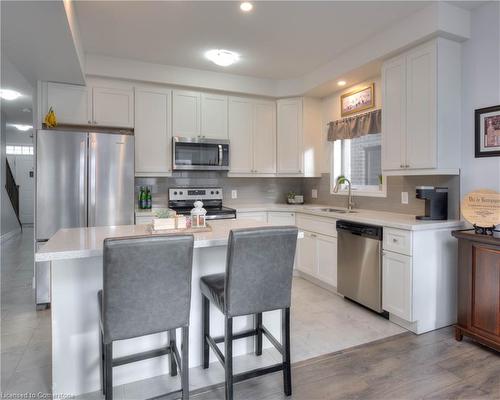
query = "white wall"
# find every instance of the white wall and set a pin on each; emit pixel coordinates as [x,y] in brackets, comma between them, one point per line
[9,221]
[481,88]
[330,111]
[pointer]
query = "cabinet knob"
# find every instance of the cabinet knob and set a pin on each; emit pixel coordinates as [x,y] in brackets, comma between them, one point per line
[394,240]
[90,122]
[407,166]
[401,166]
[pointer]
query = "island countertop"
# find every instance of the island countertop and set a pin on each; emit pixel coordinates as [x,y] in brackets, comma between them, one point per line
[88,242]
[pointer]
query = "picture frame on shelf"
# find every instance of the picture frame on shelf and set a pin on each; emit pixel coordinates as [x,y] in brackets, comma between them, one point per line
[487,131]
[357,100]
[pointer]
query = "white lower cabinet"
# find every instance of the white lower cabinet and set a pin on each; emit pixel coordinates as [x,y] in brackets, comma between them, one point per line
[326,249]
[256,215]
[143,220]
[281,218]
[307,259]
[397,284]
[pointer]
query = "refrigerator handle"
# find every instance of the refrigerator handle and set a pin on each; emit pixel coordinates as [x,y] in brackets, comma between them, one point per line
[91,180]
[83,183]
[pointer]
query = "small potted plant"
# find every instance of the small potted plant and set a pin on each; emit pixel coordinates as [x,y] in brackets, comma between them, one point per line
[380,182]
[290,197]
[164,219]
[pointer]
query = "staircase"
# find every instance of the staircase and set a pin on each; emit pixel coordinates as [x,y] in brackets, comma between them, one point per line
[12,191]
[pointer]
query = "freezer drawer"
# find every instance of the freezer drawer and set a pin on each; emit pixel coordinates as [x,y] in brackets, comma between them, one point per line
[42,281]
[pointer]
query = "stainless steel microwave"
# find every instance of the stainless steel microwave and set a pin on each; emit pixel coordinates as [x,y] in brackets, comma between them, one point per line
[198,154]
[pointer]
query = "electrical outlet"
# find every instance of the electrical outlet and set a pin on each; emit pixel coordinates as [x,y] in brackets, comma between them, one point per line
[234,194]
[314,193]
[404,197]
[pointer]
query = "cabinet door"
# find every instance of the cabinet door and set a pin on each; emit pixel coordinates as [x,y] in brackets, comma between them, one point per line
[214,116]
[264,134]
[421,94]
[397,285]
[394,114]
[327,259]
[186,113]
[153,137]
[289,137]
[113,107]
[306,250]
[281,218]
[71,103]
[255,215]
[240,135]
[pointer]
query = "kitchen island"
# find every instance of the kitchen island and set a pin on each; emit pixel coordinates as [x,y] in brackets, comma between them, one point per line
[76,262]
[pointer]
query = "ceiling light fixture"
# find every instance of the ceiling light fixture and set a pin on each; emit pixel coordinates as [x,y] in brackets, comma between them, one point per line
[246,6]
[221,57]
[8,94]
[21,127]
[341,83]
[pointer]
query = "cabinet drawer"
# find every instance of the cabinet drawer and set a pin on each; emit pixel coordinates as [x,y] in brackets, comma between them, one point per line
[323,225]
[397,240]
[143,220]
[257,215]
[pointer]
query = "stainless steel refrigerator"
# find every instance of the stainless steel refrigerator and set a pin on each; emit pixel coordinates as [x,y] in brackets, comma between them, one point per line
[82,179]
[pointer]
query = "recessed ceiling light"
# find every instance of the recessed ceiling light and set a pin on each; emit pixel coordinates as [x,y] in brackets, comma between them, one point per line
[22,127]
[341,83]
[8,94]
[246,6]
[221,57]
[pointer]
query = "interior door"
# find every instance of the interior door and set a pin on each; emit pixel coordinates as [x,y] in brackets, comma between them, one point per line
[61,179]
[111,179]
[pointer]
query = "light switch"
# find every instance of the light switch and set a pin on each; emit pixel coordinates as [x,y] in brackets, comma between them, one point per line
[314,193]
[404,197]
[234,194]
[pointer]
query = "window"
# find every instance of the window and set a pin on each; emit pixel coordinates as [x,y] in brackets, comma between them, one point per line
[19,150]
[360,161]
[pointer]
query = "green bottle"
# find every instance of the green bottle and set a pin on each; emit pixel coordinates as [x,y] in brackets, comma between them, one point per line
[142,199]
[149,199]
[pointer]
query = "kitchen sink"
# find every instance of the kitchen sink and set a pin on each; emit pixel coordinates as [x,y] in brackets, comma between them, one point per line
[335,210]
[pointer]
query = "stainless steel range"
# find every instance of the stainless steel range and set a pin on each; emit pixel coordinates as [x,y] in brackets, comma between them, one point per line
[182,200]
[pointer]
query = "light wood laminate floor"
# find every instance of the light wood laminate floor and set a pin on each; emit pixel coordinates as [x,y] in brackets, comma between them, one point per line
[406,366]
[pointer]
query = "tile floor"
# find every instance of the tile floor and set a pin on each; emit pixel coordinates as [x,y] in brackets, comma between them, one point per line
[322,323]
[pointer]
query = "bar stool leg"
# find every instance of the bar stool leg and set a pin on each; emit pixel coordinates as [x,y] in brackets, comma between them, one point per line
[205,310]
[172,342]
[285,329]
[185,363]
[108,351]
[103,363]
[228,357]
[258,326]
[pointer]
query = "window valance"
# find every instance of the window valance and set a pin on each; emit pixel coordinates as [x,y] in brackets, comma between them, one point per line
[355,126]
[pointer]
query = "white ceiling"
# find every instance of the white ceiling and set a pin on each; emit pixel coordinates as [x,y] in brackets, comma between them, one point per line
[277,40]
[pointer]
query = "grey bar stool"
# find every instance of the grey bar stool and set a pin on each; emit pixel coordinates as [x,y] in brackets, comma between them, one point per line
[146,290]
[258,278]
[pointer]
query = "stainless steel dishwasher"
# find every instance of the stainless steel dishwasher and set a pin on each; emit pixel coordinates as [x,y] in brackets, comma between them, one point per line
[359,263]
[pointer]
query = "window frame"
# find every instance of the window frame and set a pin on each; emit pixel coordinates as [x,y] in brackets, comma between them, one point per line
[357,190]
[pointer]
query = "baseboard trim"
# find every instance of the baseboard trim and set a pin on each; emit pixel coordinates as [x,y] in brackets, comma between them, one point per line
[10,235]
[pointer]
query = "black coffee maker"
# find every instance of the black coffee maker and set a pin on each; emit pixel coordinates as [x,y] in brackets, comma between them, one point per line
[436,202]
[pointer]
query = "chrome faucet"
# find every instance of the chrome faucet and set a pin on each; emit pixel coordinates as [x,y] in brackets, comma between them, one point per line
[340,181]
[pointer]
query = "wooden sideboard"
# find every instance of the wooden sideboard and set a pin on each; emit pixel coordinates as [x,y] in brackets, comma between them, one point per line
[478,288]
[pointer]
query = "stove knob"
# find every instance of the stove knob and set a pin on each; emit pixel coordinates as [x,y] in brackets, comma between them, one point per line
[217,192]
[181,193]
[212,192]
[175,193]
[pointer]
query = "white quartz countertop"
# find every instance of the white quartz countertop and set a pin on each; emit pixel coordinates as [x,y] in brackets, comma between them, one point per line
[382,218]
[88,242]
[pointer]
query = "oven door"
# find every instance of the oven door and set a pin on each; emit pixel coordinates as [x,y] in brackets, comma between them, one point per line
[195,154]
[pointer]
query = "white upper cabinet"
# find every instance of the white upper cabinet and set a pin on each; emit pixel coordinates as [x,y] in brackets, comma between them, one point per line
[421,110]
[153,136]
[214,116]
[72,104]
[252,136]
[113,107]
[289,136]
[241,135]
[299,146]
[264,137]
[186,110]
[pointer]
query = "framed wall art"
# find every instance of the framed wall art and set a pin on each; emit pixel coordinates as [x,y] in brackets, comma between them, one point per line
[487,131]
[357,100]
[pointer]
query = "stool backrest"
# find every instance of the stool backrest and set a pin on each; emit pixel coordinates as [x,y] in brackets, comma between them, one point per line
[259,269]
[146,285]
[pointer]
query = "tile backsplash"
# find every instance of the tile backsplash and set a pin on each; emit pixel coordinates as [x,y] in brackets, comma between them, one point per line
[274,190]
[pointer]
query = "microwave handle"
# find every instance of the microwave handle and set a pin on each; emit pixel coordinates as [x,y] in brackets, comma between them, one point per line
[220,155]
